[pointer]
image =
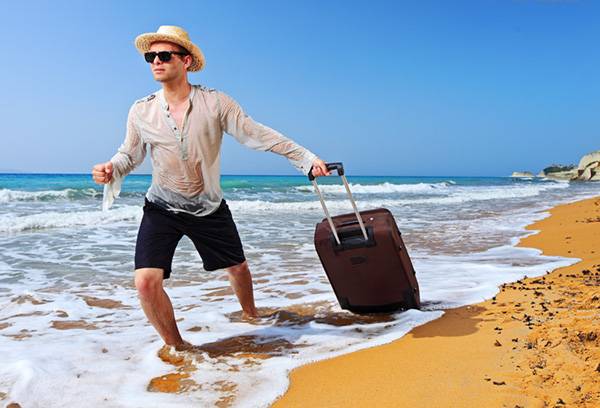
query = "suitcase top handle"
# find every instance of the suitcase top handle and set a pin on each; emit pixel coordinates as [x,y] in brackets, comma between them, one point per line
[340,169]
[330,166]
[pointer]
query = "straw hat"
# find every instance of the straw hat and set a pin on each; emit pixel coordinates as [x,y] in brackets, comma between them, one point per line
[175,35]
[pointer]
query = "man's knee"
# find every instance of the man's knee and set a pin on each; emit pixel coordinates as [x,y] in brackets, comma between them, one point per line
[148,281]
[239,269]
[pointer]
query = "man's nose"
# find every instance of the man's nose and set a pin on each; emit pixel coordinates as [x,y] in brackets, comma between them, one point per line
[157,61]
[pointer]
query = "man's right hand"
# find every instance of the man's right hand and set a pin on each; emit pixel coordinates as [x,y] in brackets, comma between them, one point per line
[102,173]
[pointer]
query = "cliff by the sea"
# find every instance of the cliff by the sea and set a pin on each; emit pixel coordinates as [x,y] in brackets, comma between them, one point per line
[587,170]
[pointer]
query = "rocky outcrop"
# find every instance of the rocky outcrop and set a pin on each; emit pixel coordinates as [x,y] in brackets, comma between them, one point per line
[587,170]
[559,172]
[522,174]
[562,175]
[589,167]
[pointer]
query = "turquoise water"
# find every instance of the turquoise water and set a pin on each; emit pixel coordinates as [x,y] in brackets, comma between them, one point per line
[139,183]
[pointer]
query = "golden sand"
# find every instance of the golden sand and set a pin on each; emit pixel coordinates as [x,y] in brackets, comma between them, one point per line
[536,344]
[72,324]
[27,299]
[104,303]
[177,381]
[227,388]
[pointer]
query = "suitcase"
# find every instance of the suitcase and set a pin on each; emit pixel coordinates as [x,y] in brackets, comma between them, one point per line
[365,258]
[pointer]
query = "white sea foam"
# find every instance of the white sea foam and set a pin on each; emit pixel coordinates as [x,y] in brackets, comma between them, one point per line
[383,188]
[7,195]
[450,281]
[80,368]
[556,180]
[12,223]
[74,362]
[456,195]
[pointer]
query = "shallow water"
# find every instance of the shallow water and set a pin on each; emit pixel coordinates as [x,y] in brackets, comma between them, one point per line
[71,328]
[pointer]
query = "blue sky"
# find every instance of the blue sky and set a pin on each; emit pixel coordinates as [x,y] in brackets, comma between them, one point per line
[468,88]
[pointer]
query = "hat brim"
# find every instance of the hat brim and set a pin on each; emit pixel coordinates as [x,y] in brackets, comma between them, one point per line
[144,41]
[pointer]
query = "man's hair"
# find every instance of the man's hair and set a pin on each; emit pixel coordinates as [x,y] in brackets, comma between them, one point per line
[182,49]
[179,47]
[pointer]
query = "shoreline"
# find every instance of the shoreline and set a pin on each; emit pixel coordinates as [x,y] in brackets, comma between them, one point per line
[533,344]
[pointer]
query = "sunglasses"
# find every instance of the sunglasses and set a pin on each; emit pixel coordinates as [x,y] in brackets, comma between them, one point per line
[164,56]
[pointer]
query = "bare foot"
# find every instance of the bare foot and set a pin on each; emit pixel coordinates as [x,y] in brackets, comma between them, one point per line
[250,317]
[185,346]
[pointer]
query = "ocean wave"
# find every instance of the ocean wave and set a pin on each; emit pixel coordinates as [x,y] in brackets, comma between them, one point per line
[383,188]
[7,195]
[457,195]
[11,223]
[556,180]
[67,194]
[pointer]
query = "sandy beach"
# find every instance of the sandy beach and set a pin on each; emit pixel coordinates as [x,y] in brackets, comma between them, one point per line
[535,344]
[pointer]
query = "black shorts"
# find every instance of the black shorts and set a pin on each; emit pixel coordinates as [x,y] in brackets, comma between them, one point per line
[215,236]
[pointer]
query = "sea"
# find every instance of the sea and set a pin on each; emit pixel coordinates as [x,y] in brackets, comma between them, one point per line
[72,332]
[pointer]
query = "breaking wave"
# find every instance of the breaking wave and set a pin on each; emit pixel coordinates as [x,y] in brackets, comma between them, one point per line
[12,223]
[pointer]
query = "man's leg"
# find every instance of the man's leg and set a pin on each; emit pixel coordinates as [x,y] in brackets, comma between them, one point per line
[241,282]
[157,305]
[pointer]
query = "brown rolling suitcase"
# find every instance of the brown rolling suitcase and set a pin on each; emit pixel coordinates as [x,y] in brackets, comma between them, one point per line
[365,258]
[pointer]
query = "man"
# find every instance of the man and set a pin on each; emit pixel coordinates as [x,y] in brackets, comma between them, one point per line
[184,125]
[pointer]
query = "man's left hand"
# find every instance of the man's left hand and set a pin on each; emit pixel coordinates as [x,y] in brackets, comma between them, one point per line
[319,168]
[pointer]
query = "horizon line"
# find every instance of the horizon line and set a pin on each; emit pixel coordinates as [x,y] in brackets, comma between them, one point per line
[258,175]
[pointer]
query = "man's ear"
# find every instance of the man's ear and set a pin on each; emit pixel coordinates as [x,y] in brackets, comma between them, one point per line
[189,60]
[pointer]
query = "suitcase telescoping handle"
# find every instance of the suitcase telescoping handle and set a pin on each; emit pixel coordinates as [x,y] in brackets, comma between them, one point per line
[340,170]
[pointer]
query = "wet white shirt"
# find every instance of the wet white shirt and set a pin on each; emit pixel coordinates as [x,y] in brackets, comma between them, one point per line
[186,162]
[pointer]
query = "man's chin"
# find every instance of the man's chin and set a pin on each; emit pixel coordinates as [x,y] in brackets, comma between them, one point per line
[163,77]
[160,78]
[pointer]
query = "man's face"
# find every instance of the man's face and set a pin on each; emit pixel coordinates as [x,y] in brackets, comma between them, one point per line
[172,69]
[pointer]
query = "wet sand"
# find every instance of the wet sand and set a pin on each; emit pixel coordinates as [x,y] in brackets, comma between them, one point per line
[246,349]
[536,344]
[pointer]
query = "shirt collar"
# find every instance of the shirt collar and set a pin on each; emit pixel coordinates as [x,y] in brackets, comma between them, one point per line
[163,100]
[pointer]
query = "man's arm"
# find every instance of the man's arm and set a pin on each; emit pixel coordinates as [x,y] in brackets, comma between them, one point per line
[260,137]
[130,155]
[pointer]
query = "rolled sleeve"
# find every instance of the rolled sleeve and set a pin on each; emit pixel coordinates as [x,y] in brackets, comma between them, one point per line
[257,136]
